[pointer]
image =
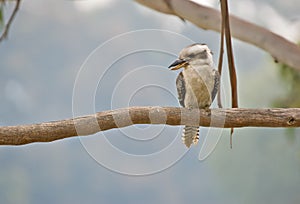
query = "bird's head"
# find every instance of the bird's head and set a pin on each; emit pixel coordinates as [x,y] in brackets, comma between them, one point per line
[195,55]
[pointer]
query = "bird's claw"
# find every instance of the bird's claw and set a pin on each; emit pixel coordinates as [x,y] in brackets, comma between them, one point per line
[207,111]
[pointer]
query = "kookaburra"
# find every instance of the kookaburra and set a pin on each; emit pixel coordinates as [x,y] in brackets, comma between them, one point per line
[197,85]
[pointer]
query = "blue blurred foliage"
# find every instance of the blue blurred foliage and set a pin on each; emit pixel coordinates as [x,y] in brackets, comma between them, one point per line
[39,62]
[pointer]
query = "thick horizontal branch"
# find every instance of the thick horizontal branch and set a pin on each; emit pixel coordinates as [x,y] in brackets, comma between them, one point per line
[208,18]
[90,124]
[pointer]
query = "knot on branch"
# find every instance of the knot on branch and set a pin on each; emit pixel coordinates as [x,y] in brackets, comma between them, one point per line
[291,120]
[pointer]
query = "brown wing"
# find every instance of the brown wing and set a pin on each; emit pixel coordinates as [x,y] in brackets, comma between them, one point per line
[216,85]
[180,84]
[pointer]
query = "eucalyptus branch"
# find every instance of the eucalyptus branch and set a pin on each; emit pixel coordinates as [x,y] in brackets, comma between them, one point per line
[204,17]
[101,121]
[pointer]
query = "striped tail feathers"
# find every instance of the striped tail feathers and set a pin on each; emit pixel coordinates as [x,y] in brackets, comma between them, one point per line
[190,135]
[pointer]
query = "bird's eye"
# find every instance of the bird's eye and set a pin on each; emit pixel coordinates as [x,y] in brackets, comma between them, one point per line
[211,52]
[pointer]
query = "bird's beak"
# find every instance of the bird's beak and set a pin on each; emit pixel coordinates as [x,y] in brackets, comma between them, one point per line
[179,63]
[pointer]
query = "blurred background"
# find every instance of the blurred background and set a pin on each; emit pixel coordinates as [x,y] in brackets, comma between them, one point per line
[69,58]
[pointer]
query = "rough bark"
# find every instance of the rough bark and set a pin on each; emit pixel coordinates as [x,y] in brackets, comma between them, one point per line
[90,124]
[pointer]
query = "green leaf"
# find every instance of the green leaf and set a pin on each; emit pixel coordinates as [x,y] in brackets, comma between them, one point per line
[291,81]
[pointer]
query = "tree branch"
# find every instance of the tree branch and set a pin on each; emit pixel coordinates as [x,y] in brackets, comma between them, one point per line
[11,18]
[90,124]
[280,49]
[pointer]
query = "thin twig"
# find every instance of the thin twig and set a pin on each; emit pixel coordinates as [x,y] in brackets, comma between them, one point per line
[220,64]
[10,20]
[232,72]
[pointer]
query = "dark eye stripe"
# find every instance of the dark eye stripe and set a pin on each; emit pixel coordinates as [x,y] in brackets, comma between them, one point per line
[201,55]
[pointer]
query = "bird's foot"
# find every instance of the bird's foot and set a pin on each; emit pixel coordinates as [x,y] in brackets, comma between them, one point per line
[207,111]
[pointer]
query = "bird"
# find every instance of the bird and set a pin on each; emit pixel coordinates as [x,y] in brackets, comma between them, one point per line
[197,84]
